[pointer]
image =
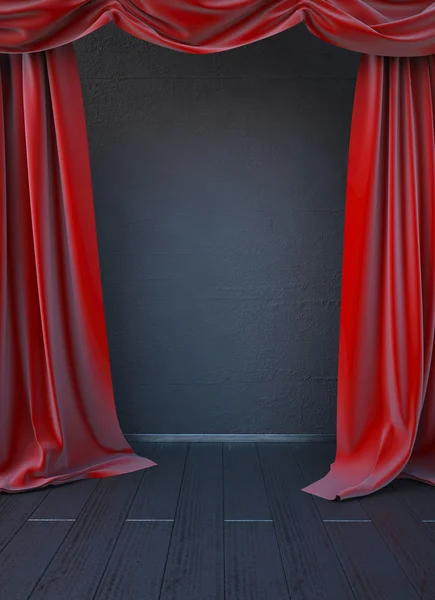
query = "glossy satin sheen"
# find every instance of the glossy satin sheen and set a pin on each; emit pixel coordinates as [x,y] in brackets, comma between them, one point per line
[57,412]
[381,27]
[386,377]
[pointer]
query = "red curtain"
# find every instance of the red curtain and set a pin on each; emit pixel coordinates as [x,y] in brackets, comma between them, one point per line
[57,413]
[382,27]
[386,378]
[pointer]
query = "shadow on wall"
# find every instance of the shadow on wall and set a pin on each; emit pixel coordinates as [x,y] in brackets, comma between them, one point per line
[219,186]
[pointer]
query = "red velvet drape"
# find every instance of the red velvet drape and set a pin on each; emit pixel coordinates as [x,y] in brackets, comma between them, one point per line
[57,413]
[57,416]
[386,379]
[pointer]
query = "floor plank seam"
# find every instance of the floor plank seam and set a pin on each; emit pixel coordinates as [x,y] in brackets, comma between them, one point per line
[224,533]
[271,512]
[6,544]
[162,582]
[248,520]
[52,520]
[149,520]
[63,541]
[346,520]
[225,520]
[384,538]
[317,509]
[104,571]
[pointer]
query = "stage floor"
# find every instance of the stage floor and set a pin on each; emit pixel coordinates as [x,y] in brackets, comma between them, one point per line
[218,522]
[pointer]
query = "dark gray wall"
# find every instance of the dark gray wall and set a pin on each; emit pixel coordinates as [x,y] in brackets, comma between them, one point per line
[219,187]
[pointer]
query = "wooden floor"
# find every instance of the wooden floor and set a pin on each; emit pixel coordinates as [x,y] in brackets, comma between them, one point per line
[215,522]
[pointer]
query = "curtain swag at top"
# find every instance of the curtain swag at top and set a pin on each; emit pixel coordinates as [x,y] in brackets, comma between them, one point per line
[380,27]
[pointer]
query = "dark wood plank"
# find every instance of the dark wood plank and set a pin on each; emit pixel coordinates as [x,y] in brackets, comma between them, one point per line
[135,570]
[314,460]
[78,566]
[26,557]
[159,490]
[66,501]
[408,539]
[253,565]
[15,509]
[195,569]
[312,567]
[419,496]
[370,567]
[244,490]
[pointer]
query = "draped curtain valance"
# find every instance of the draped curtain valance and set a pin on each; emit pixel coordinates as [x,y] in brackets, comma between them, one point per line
[380,27]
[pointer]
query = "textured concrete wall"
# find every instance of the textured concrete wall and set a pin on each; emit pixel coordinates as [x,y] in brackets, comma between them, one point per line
[219,187]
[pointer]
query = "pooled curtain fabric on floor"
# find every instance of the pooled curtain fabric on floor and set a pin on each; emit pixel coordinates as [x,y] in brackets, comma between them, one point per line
[57,413]
[386,378]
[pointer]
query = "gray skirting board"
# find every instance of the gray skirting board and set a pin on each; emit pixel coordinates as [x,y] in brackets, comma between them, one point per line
[229,437]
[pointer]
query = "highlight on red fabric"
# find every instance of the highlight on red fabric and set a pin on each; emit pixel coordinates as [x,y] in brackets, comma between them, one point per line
[381,27]
[386,376]
[57,411]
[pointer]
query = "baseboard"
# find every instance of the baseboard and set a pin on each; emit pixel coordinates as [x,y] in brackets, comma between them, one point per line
[229,437]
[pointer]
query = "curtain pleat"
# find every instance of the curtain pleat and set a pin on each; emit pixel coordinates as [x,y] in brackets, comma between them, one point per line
[57,412]
[380,27]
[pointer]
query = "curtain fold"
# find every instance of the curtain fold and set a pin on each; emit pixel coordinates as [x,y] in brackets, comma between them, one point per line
[57,411]
[381,27]
[386,377]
